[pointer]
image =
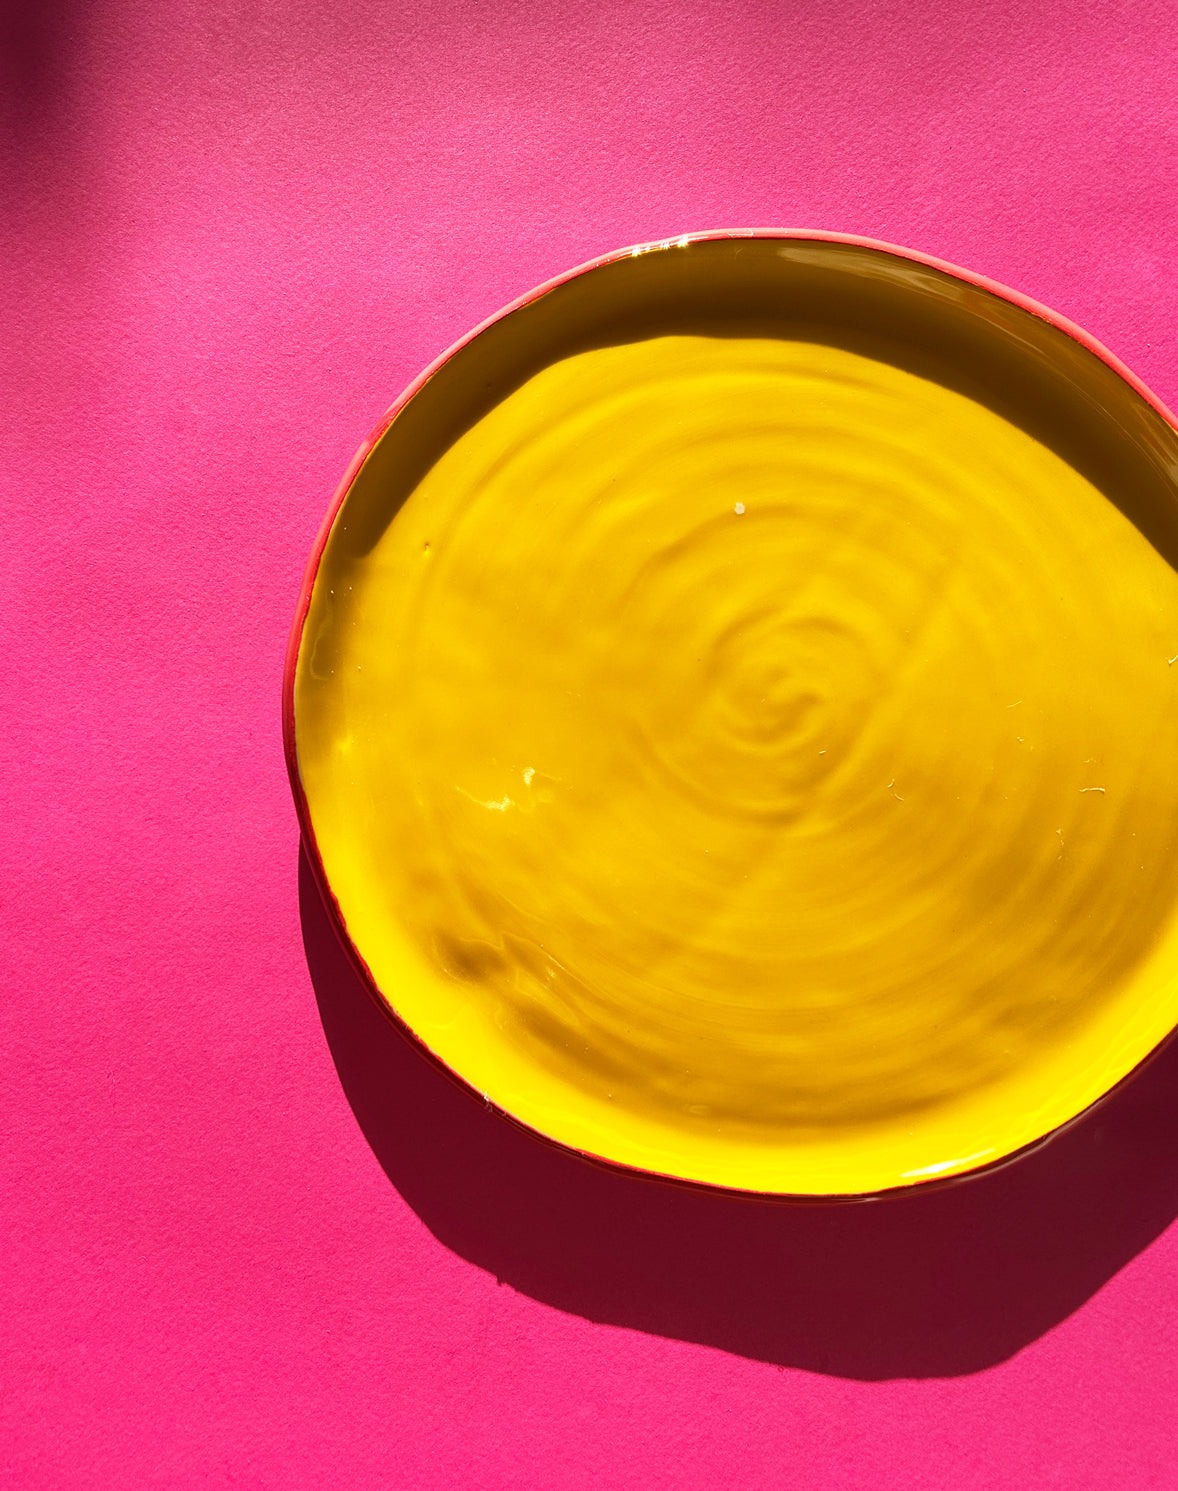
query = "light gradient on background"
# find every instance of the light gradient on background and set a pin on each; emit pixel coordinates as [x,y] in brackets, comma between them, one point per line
[231,236]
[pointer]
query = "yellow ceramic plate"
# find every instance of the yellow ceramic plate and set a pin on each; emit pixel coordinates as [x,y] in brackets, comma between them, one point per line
[732,712]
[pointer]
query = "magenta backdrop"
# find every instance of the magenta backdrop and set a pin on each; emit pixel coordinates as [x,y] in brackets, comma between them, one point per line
[233,232]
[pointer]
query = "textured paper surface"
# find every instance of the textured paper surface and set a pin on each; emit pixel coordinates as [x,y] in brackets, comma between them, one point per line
[231,236]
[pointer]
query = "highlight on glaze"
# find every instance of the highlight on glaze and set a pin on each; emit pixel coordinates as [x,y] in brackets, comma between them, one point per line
[747,759]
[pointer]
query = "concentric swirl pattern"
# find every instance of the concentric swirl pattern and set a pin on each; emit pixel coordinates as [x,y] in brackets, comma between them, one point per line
[753,738]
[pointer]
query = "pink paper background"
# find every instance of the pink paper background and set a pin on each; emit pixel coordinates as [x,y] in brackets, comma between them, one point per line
[232,233]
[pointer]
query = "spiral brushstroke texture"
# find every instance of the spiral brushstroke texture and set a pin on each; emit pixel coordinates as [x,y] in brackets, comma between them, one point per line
[769,739]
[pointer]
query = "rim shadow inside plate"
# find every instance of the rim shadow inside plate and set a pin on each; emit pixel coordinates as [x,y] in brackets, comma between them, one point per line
[1025,368]
[913,315]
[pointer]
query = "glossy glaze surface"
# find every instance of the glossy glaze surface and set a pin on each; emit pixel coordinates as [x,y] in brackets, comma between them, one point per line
[748,759]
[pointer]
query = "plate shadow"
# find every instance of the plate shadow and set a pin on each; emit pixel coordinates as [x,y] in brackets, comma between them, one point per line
[931,1283]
